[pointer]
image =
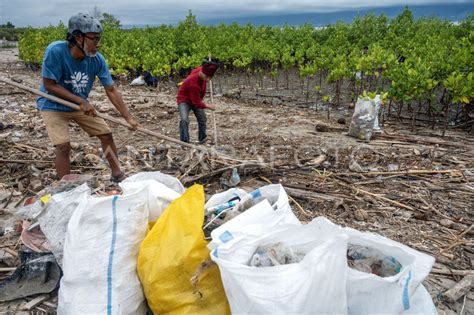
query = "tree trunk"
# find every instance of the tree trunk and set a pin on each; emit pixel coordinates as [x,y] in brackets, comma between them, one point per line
[276,81]
[414,115]
[446,119]
[441,100]
[307,89]
[329,108]
[400,106]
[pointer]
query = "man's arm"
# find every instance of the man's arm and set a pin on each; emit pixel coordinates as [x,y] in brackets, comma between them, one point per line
[116,98]
[54,88]
[196,100]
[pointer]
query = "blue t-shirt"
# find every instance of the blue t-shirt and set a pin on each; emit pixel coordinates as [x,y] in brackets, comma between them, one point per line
[77,76]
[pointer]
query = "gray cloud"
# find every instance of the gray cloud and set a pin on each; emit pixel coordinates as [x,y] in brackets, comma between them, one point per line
[41,13]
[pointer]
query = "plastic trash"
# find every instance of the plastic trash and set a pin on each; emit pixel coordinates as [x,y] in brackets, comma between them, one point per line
[138,81]
[274,255]
[371,260]
[56,215]
[316,284]
[267,204]
[231,179]
[362,122]
[369,293]
[218,215]
[34,238]
[37,273]
[378,105]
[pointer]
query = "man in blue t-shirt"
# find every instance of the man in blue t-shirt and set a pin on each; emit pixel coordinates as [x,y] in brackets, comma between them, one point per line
[69,71]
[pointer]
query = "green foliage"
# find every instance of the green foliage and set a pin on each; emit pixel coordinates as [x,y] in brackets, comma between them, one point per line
[436,52]
[8,25]
[109,20]
[9,32]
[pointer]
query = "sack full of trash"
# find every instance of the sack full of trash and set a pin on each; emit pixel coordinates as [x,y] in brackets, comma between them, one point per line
[363,119]
[237,209]
[100,256]
[174,264]
[283,269]
[383,275]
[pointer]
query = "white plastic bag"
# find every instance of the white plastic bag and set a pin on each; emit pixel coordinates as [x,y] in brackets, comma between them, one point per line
[315,285]
[162,190]
[378,105]
[167,180]
[100,256]
[273,211]
[55,217]
[362,122]
[369,293]
[138,81]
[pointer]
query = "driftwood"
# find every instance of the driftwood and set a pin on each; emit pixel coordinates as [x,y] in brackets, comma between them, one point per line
[408,172]
[36,301]
[241,167]
[393,202]
[422,140]
[459,289]
[451,272]
[26,161]
[298,193]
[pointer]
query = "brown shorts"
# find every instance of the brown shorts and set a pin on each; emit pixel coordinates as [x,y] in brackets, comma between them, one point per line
[57,125]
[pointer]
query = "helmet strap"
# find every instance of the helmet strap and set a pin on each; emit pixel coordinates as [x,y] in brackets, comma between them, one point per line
[81,48]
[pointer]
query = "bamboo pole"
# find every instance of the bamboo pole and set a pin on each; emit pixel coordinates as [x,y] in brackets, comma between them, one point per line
[101,115]
[211,92]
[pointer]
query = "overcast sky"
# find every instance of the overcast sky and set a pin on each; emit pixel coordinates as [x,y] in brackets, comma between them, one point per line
[129,12]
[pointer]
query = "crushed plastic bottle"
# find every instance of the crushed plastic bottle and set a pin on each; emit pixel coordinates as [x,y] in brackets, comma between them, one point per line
[231,180]
[219,214]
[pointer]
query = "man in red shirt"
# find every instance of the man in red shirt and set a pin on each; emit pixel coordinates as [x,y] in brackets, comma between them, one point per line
[190,96]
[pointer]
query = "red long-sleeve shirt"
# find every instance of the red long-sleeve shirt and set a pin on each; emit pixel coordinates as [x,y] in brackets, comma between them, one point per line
[192,91]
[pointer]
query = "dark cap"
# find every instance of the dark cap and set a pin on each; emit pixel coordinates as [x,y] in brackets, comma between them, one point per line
[209,68]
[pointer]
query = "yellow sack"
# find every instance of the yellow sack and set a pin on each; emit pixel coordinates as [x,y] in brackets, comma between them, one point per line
[171,254]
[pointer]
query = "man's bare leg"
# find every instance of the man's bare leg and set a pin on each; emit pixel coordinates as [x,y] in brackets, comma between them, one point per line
[110,151]
[61,161]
